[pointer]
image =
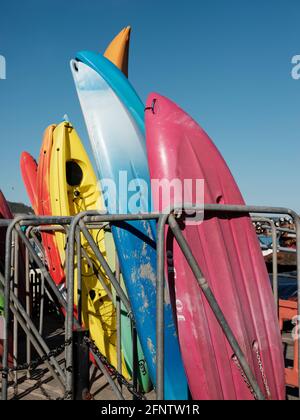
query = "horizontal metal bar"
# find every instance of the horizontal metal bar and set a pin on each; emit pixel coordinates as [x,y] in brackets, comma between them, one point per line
[283,230]
[5,222]
[287,250]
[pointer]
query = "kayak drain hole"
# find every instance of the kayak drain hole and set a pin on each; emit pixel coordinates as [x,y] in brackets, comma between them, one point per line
[92,294]
[74,174]
[220,200]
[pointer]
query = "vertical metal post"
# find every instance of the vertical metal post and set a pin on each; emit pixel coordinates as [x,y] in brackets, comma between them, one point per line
[79,275]
[70,277]
[297,223]
[27,306]
[274,258]
[8,254]
[160,320]
[15,265]
[81,364]
[135,364]
[42,304]
[275,265]
[119,321]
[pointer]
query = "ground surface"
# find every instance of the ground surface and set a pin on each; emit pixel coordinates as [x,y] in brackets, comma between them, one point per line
[41,385]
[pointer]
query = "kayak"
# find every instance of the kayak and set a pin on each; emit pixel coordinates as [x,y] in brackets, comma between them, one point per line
[114,117]
[230,258]
[74,189]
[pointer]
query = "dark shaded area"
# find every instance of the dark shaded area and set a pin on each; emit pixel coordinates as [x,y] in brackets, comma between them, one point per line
[287,285]
[74,174]
[286,262]
[20,208]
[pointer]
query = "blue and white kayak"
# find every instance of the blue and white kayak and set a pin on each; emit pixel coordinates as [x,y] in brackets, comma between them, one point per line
[114,116]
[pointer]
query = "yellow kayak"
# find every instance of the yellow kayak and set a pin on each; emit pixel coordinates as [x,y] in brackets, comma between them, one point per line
[73,189]
[118,50]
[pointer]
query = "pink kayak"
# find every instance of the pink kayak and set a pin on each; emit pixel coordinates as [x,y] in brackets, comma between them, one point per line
[230,258]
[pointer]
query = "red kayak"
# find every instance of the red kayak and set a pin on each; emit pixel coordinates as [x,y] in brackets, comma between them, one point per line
[29,173]
[44,206]
[230,258]
[36,180]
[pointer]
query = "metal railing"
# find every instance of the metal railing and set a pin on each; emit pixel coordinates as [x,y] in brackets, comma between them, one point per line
[81,226]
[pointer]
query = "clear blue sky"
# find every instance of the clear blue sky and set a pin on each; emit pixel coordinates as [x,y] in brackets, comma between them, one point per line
[227,62]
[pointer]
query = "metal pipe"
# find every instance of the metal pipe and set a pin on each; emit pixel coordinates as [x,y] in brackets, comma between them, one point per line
[297,222]
[96,216]
[135,359]
[282,230]
[106,267]
[38,244]
[8,253]
[97,274]
[287,250]
[70,277]
[160,315]
[35,221]
[79,276]
[224,208]
[27,302]
[42,305]
[15,275]
[60,229]
[107,376]
[5,222]
[215,306]
[119,320]
[275,266]
[272,226]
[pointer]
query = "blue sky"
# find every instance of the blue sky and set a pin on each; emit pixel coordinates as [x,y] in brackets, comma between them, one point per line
[228,63]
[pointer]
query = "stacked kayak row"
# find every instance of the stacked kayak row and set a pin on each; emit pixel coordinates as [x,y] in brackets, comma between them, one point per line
[157,142]
[63,183]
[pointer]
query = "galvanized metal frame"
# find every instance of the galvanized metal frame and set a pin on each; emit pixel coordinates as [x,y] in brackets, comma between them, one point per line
[89,220]
[14,227]
[79,227]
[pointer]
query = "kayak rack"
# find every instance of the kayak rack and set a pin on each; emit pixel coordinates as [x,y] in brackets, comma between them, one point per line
[21,233]
[287,309]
